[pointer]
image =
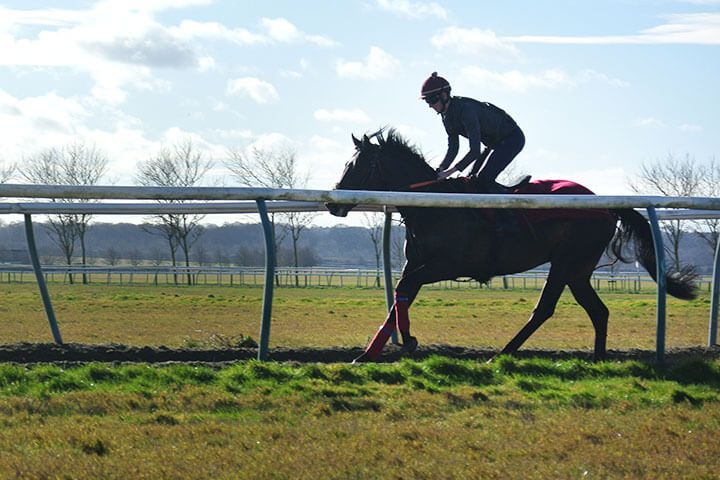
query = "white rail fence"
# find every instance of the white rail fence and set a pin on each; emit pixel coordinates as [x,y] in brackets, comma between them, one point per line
[622,281]
[213,200]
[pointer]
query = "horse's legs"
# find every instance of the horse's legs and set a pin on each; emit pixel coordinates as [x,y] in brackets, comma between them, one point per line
[543,310]
[588,298]
[397,317]
[405,292]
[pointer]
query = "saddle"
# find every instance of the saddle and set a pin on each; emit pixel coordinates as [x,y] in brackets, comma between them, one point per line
[478,185]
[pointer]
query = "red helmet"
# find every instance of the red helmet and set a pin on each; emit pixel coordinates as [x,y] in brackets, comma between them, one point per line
[434,84]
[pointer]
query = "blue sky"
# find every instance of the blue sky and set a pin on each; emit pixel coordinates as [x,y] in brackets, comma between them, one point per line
[598,87]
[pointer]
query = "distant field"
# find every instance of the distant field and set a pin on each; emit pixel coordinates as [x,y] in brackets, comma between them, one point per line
[183,316]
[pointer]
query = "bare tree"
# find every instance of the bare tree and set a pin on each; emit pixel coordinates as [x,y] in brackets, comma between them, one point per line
[72,164]
[6,172]
[181,165]
[397,244]
[274,168]
[709,228]
[222,258]
[374,223]
[671,177]
[112,256]
[83,165]
[135,256]
[156,257]
[202,256]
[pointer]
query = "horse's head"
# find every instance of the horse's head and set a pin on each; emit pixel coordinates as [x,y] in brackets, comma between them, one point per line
[390,164]
[360,173]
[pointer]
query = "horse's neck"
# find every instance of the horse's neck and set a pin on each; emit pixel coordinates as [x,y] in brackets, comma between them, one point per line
[412,215]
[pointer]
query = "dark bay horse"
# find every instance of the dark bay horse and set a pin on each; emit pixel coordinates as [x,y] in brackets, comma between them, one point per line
[449,243]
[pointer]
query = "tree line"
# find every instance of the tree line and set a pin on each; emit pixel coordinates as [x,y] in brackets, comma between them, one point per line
[182,164]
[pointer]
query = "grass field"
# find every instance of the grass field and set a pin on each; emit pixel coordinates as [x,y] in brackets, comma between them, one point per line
[435,418]
[438,418]
[181,316]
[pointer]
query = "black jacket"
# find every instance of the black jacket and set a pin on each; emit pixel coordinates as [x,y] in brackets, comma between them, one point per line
[479,122]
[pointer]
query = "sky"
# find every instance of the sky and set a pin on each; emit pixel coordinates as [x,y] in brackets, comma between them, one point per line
[599,88]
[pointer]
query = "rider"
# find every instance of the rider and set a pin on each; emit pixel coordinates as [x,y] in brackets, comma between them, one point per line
[471,118]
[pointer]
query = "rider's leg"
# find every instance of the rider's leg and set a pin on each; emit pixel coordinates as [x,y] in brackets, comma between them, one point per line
[503,153]
[501,156]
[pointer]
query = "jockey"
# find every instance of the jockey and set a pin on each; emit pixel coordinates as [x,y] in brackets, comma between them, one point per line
[471,118]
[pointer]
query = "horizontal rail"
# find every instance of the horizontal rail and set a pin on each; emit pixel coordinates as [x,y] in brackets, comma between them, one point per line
[195,200]
[414,199]
[241,207]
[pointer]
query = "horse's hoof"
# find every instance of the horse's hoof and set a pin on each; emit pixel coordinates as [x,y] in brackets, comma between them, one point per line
[363,358]
[409,345]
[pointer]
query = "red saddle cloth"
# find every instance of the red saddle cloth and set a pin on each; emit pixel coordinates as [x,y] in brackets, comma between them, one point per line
[557,187]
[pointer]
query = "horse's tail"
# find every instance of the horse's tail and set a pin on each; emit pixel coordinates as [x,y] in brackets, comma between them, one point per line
[633,226]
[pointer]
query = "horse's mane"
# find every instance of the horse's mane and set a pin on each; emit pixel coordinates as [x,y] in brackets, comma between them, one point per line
[396,146]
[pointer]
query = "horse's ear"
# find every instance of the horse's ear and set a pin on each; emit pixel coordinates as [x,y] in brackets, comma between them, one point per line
[357,142]
[366,140]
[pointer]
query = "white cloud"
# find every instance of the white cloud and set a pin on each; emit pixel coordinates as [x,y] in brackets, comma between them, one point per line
[259,90]
[270,141]
[378,64]
[304,67]
[687,127]
[191,29]
[323,143]
[206,63]
[234,134]
[119,43]
[414,9]
[115,45]
[325,157]
[65,120]
[515,80]
[691,28]
[339,115]
[520,82]
[281,30]
[592,75]
[648,122]
[49,113]
[473,41]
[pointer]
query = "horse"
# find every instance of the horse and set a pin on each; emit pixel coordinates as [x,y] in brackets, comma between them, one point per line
[451,243]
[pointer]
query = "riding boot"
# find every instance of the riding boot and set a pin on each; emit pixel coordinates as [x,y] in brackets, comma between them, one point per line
[497,188]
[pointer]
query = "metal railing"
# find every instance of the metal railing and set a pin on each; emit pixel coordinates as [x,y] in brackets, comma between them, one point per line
[225,200]
[625,281]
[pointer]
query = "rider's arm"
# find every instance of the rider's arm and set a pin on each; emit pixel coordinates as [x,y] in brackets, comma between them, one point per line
[471,123]
[452,151]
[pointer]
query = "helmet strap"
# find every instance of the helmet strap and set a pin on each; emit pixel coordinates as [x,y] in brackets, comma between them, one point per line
[445,100]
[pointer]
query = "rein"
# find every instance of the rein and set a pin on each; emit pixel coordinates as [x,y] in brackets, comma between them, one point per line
[423,184]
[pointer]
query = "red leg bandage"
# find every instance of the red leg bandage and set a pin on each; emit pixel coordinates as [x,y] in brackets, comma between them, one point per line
[380,339]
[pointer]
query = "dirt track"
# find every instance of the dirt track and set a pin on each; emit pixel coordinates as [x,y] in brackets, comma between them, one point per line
[81,353]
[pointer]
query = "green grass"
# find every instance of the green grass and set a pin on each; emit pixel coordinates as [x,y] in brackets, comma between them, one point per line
[316,317]
[437,418]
